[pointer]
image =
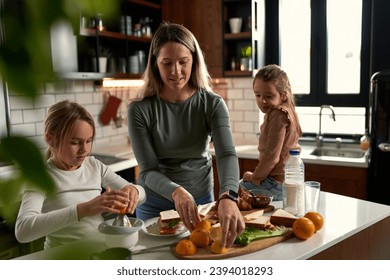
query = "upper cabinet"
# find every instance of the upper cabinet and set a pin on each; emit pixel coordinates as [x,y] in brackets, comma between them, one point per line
[243,36]
[210,23]
[117,46]
[204,20]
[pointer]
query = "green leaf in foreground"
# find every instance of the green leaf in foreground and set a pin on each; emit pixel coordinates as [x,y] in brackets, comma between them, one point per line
[251,233]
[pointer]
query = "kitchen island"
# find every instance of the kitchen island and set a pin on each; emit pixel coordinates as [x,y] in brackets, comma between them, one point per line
[353,229]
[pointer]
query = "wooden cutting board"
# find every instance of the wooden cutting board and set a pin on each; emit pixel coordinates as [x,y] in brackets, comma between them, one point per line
[235,250]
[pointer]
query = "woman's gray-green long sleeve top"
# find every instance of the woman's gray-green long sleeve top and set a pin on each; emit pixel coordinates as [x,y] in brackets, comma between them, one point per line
[171,144]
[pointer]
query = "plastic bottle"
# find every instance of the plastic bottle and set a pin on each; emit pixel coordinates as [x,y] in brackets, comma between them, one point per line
[294,185]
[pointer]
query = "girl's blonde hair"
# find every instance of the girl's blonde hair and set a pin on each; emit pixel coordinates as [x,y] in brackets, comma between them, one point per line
[60,122]
[171,32]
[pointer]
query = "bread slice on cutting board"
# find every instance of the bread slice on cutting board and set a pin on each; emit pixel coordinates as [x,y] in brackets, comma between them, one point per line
[282,217]
[257,220]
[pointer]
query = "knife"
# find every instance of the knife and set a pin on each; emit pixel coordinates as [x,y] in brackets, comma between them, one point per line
[151,249]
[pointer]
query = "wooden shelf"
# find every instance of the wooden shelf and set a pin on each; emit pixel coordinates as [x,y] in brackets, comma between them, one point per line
[238,36]
[113,35]
[146,3]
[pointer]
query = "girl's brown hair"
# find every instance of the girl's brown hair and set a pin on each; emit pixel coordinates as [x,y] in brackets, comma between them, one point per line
[61,120]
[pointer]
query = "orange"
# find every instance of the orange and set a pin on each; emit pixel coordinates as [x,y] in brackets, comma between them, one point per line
[216,233]
[316,218]
[216,247]
[200,237]
[203,224]
[303,228]
[185,247]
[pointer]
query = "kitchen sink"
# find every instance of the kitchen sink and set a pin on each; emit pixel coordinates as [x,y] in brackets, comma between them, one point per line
[107,159]
[337,152]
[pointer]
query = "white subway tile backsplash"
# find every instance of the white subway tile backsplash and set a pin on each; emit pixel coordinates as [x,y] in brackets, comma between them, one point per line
[20,102]
[33,116]
[24,129]
[44,101]
[241,83]
[16,117]
[243,105]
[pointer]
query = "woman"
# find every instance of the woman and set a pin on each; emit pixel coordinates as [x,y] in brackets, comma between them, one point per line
[171,129]
[279,132]
[73,210]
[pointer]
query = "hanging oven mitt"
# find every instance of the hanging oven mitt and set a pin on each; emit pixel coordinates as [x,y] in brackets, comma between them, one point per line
[110,110]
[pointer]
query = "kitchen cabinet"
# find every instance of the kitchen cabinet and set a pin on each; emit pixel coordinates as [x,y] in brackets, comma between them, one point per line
[344,180]
[210,25]
[243,52]
[205,23]
[124,39]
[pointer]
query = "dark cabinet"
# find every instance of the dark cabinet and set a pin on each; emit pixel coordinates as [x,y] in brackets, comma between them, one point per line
[244,48]
[344,180]
[117,46]
[209,21]
[204,20]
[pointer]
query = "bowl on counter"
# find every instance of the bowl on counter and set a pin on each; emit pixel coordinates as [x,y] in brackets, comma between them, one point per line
[125,237]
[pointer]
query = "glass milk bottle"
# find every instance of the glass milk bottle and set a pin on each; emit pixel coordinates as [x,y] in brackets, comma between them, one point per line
[294,185]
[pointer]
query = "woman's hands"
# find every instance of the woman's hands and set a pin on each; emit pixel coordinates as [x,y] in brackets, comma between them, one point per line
[186,206]
[110,201]
[247,177]
[231,221]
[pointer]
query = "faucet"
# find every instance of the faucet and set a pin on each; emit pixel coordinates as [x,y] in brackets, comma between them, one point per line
[319,137]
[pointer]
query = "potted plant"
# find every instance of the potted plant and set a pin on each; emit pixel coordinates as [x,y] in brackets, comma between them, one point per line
[246,58]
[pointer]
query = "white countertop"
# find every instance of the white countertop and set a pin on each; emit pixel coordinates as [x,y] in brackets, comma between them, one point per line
[343,216]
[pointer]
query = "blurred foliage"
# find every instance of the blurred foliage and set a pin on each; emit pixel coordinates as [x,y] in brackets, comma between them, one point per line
[25,64]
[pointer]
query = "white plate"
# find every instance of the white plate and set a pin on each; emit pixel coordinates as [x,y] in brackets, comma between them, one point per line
[151,228]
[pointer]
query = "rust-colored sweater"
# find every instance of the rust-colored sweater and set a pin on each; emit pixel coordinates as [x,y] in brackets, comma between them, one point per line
[279,133]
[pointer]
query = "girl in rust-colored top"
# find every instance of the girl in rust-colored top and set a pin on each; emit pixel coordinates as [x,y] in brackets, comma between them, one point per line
[279,132]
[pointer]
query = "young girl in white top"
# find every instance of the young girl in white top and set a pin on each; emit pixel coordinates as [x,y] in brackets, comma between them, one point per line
[85,187]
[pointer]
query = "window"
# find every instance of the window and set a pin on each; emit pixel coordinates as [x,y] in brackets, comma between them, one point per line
[324,48]
[325,55]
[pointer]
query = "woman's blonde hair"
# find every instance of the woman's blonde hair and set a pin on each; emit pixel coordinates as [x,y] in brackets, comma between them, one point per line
[60,122]
[171,32]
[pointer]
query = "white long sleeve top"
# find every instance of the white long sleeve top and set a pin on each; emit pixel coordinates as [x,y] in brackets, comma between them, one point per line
[54,215]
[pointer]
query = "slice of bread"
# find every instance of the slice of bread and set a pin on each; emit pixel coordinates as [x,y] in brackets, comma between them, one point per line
[262,222]
[169,215]
[282,217]
[253,216]
[205,208]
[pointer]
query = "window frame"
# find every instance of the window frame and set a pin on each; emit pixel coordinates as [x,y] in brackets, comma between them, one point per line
[318,72]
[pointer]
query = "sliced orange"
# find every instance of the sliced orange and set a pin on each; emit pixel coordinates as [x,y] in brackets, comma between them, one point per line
[185,247]
[216,247]
[216,233]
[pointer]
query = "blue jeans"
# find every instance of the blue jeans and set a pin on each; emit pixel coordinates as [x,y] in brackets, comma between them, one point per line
[153,205]
[269,187]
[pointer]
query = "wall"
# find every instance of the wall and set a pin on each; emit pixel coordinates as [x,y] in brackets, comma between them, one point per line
[27,118]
